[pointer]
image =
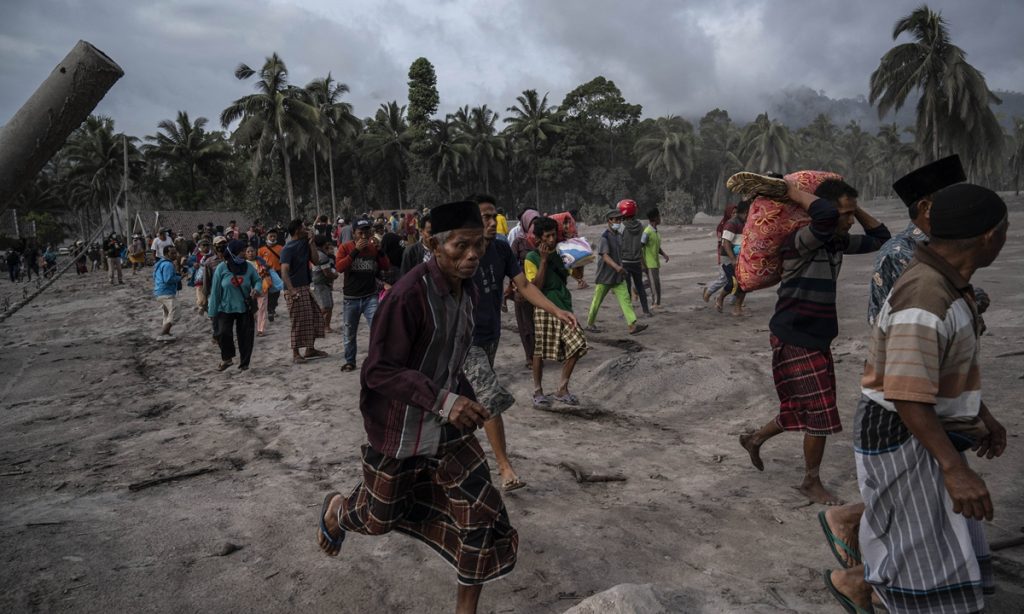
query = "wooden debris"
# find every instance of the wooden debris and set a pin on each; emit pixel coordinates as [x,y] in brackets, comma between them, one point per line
[170,478]
[583,476]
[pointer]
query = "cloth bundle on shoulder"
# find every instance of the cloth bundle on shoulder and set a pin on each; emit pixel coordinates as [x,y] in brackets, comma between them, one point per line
[575,252]
[769,222]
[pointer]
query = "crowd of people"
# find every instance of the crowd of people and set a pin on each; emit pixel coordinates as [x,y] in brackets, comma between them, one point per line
[432,286]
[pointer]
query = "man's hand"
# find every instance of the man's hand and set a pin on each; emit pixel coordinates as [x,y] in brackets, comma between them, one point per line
[468,415]
[568,318]
[665,256]
[995,443]
[545,250]
[968,492]
[361,244]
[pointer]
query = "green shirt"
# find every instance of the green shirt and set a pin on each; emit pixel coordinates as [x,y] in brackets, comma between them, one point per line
[651,241]
[555,277]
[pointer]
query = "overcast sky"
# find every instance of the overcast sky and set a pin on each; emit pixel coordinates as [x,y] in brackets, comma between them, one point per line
[672,57]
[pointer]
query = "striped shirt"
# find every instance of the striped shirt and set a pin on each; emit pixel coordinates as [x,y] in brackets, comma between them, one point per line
[805,314]
[924,346]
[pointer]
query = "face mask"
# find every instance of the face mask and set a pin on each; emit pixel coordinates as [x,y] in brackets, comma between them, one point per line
[617,227]
[271,241]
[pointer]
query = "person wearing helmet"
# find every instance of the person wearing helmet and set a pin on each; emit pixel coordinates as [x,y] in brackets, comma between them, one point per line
[610,274]
[633,251]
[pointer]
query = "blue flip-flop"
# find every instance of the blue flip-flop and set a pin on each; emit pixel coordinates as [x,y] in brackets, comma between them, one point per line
[335,542]
[834,541]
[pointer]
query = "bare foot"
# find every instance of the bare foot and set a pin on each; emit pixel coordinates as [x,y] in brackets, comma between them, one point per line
[719,302]
[737,310]
[754,449]
[816,492]
[330,520]
[850,583]
[706,295]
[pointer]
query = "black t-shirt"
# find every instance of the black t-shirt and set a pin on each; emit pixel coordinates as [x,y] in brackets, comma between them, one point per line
[296,255]
[498,263]
[113,248]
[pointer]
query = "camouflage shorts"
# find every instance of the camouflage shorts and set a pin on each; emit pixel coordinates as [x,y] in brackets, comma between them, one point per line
[479,370]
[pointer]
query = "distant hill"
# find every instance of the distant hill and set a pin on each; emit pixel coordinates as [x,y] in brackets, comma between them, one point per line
[798,106]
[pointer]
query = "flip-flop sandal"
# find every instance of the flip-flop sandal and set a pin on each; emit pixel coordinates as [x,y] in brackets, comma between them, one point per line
[569,399]
[843,600]
[298,360]
[348,367]
[335,542]
[834,541]
[638,328]
[753,183]
[592,329]
[513,484]
[316,354]
[541,400]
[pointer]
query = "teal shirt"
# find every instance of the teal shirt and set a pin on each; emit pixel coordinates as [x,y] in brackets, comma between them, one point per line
[225,297]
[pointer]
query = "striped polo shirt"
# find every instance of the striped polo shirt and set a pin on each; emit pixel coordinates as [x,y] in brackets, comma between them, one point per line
[924,346]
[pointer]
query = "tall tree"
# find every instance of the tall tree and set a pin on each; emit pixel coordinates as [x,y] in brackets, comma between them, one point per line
[856,154]
[892,155]
[186,146]
[665,149]
[96,157]
[274,119]
[486,146]
[533,122]
[600,100]
[423,96]
[715,157]
[449,151]
[337,122]
[953,111]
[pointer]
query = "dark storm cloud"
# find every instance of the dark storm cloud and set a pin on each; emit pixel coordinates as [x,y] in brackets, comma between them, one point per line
[682,58]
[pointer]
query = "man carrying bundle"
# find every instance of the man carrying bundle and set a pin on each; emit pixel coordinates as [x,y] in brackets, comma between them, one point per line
[805,323]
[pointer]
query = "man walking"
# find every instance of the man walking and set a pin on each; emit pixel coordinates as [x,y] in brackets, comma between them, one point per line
[498,263]
[166,282]
[114,248]
[805,323]
[424,472]
[632,251]
[922,543]
[361,262]
[611,276]
[307,324]
[271,254]
[651,242]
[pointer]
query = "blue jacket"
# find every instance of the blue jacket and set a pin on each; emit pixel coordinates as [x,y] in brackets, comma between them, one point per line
[165,278]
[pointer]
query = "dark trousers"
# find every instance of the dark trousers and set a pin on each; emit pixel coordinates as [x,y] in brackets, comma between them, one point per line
[245,328]
[635,277]
[524,320]
[272,299]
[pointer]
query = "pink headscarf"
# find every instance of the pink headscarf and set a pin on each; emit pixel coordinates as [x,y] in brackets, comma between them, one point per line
[526,221]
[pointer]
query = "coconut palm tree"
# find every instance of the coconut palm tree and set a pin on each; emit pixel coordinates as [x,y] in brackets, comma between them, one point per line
[666,150]
[449,151]
[533,122]
[819,144]
[337,122]
[96,156]
[276,118]
[856,154]
[386,143]
[487,147]
[893,156]
[766,145]
[953,109]
[185,144]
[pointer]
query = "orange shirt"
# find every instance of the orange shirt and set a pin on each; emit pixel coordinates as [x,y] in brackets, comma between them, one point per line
[272,256]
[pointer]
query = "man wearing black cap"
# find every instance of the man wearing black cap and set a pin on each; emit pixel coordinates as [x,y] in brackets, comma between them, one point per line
[922,544]
[424,472]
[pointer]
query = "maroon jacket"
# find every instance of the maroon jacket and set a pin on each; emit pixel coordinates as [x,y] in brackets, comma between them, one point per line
[418,343]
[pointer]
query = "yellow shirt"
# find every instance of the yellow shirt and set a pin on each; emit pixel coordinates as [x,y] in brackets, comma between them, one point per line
[502,224]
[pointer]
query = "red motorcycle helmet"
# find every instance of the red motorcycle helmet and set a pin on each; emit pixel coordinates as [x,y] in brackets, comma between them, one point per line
[627,207]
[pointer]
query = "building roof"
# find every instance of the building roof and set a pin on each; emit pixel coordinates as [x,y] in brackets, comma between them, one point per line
[186,221]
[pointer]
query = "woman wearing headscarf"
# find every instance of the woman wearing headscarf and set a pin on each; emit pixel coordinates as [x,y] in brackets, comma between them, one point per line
[233,290]
[522,244]
[266,283]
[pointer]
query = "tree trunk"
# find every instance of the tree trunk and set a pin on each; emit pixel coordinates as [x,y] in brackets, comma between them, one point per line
[316,185]
[935,134]
[398,185]
[288,180]
[58,106]
[330,167]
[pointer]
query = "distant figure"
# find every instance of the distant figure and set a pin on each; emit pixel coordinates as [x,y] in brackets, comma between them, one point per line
[114,248]
[719,282]
[166,282]
[307,324]
[729,253]
[611,276]
[651,241]
[161,242]
[418,252]
[13,259]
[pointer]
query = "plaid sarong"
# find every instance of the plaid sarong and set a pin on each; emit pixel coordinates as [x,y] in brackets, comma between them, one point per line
[307,322]
[805,381]
[446,501]
[555,340]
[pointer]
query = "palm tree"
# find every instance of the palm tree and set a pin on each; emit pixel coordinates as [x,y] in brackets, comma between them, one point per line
[666,149]
[819,143]
[386,142]
[96,157]
[487,147]
[856,158]
[766,145]
[448,150]
[954,104]
[336,122]
[533,121]
[892,153]
[186,144]
[275,118]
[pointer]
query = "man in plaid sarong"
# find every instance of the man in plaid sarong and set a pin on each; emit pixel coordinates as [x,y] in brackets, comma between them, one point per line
[424,472]
[805,323]
[307,321]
